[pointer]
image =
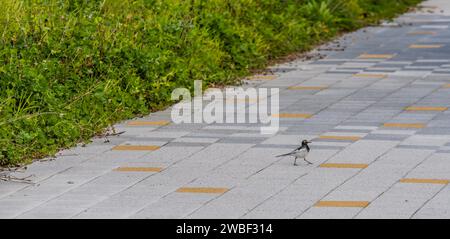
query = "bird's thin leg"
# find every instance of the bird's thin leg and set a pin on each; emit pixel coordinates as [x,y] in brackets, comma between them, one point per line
[295,161]
[307,161]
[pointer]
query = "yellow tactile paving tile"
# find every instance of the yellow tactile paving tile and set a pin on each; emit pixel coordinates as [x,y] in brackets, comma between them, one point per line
[342,204]
[425,108]
[420,46]
[136,147]
[422,33]
[368,75]
[343,165]
[307,87]
[138,169]
[375,56]
[401,125]
[148,123]
[262,77]
[335,137]
[202,190]
[425,180]
[292,115]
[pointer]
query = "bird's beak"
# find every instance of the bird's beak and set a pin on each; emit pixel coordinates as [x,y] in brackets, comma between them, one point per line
[309,142]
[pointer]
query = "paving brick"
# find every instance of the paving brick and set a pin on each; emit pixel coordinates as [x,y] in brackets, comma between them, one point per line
[401,201]
[374,180]
[437,207]
[302,194]
[330,213]
[240,199]
[377,113]
[363,151]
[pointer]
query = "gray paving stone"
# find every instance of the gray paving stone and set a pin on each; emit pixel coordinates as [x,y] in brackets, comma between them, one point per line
[238,201]
[427,140]
[363,151]
[401,201]
[373,181]
[437,207]
[330,213]
[385,137]
[165,209]
[437,166]
[299,196]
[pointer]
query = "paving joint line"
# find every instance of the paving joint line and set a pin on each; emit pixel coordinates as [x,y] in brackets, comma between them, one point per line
[354,175]
[427,201]
[275,194]
[393,184]
[130,186]
[193,180]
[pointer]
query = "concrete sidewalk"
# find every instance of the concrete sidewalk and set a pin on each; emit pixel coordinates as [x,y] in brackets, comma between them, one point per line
[377,112]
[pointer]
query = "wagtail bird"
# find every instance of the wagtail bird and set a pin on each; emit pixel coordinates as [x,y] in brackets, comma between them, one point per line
[300,152]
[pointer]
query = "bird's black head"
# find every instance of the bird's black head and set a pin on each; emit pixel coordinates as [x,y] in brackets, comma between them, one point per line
[305,142]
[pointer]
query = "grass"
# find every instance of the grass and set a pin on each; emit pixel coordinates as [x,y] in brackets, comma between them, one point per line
[70,68]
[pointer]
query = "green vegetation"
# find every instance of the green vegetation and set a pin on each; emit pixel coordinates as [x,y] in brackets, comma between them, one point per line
[70,68]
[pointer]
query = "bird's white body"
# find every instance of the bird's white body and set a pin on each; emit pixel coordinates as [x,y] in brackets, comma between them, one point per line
[301,153]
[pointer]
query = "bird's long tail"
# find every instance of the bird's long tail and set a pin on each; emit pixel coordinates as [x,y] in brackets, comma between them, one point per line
[282,155]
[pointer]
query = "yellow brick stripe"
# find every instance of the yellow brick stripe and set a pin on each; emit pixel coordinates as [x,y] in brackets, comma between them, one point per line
[425,108]
[136,147]
[343,165]
[138,169]
[424,180]
[376,56]
[342,204]
[148,123]
[422,33]
[262,77]
[202,190]
[368,75]
[349,138]
[400,125]
[417,46]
